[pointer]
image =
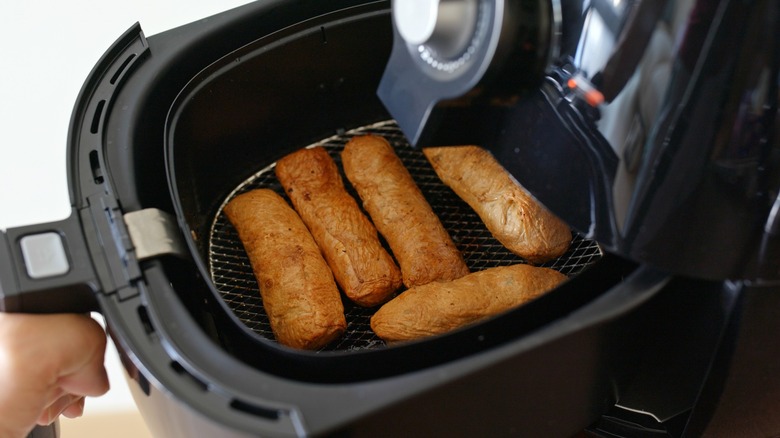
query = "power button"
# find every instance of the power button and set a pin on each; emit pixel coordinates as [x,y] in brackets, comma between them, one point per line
[44,255]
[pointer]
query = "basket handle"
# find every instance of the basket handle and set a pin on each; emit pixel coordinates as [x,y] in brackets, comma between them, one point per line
[46,268]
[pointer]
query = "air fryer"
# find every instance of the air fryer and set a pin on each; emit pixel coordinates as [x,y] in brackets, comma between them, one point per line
[168,128]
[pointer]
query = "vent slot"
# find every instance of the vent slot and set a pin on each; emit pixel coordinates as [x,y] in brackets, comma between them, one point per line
[259,411]
[324,35]
[143,314]
[180,370]
[97,170]
[97,116]
[122,68]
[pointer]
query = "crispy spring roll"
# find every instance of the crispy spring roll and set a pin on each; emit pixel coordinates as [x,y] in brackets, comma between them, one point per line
[299,293]
[421,245]
[437,308]
[514,218]
[363,268]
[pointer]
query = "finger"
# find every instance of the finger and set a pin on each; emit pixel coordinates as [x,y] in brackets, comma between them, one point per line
[75,409]
[90,380]
[82,371]
[60,400]
[54,394]
[72,406]
[51,412]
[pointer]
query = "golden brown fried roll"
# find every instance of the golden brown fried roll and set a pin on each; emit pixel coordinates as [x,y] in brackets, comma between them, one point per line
[299,293]
[436,308]
[365,271]
[421,245]
[514,218]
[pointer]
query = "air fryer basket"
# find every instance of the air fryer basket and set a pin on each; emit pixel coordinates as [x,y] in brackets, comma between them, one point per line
[315,84]
[310,86]
[232,274]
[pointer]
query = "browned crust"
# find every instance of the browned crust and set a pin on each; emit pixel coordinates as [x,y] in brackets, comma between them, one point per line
[514,218]
[437,308]
[421,245]
[299,293]
[365,271]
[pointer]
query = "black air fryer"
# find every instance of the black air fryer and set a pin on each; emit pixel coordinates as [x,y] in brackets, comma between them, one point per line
[648,126]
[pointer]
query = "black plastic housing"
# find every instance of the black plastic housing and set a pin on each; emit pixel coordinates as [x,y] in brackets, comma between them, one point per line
[173,121]
[654,131]
[210,103]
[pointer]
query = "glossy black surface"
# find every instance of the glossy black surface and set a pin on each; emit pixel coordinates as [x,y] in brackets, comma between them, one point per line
[679,165]
[509,50]
[619,336]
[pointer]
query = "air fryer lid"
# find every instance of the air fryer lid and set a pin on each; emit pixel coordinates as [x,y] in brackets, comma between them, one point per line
[677,168]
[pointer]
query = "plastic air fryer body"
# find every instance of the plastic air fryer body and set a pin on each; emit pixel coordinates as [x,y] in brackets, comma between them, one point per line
[648,126]
[167,126]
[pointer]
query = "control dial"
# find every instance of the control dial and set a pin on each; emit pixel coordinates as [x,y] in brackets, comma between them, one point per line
[445,27]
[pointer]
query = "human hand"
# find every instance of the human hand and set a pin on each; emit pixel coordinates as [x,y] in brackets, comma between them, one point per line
[48,364]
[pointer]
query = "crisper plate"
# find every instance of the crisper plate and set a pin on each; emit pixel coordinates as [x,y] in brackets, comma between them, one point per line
[232,273]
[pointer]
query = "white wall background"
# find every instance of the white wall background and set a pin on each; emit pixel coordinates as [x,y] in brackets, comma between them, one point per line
[48,48]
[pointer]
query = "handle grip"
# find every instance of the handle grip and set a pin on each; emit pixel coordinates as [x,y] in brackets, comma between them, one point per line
[46,268]
[50,431]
